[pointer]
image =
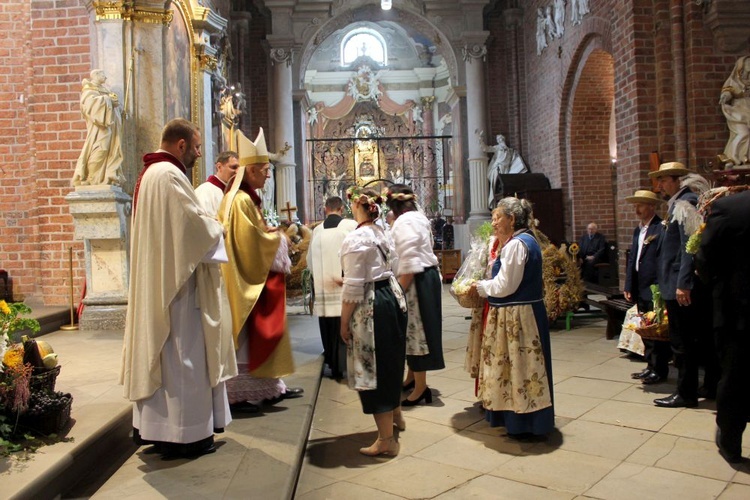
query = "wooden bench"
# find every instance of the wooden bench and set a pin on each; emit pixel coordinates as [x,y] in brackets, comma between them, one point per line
[615,309]
[614,306]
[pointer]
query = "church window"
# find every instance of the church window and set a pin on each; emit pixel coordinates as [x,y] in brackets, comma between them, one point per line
[363,42]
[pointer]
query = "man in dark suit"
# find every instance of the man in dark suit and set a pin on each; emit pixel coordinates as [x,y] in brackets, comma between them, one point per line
[723,259]
[593,250]
[640,274]
[685,298]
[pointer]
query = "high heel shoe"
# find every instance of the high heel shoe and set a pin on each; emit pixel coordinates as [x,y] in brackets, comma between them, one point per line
[408,386]
[388,447]
[426,395]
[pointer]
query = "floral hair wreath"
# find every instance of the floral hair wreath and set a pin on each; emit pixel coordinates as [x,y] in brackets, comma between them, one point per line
[398,196]
[354,193]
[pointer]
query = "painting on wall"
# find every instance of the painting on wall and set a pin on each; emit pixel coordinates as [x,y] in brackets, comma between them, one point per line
[177,68]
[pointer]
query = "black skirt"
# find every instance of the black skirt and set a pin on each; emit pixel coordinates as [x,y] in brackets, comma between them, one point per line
[429,291]
[390,352]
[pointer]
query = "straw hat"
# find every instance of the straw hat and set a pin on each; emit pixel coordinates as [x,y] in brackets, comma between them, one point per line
[644,196]
[673,168]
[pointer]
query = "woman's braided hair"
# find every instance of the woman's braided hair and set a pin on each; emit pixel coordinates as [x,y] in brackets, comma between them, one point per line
[366,197]
[401,199]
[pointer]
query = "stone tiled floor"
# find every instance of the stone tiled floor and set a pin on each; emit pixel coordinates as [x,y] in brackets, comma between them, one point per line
[611,442]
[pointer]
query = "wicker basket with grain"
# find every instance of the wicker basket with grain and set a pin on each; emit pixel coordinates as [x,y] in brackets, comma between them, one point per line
[470,300]
[656,331]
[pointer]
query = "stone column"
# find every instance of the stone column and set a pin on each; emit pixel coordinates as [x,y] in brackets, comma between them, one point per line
[283,130]
[474,58]
[101,216]
[206,24]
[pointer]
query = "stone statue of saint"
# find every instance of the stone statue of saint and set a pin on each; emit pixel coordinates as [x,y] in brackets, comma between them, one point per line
[541,26]
[505,160]
[735,104]
[559,18]
[100,162]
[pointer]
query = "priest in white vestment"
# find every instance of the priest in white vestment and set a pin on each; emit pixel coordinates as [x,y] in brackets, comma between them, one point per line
[324,262]
[211,192]
[175,358]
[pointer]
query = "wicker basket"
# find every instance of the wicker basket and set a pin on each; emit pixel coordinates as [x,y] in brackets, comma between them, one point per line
[657,331]
[49,423]
[470,300]
[45,381]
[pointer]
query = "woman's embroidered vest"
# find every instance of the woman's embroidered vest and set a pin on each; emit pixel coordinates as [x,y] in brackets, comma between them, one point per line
[531,288]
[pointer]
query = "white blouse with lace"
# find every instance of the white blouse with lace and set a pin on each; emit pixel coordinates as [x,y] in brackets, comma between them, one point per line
[362,262]
[513,257]
[413,239]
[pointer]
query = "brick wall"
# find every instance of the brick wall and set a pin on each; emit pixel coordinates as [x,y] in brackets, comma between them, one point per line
[49,50]
[17,165]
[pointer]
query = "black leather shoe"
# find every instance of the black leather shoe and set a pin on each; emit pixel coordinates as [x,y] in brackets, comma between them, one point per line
[426,396]
[651,378]
[293,392]
[676,401]
[641,374]
[731,457]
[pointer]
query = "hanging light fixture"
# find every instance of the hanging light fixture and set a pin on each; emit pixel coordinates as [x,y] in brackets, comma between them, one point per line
[386,4]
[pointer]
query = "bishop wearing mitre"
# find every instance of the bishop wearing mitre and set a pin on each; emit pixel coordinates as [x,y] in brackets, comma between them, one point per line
[255,279]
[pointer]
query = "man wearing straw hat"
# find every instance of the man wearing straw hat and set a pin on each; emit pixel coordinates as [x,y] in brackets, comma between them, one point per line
[640,274]
[255,279]
[685,298]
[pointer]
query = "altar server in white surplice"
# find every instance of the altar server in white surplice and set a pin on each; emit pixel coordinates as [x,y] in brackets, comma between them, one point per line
[211,192]
[175,359]
[325,264]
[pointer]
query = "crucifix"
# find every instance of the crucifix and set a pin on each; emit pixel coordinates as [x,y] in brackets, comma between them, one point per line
[289,209]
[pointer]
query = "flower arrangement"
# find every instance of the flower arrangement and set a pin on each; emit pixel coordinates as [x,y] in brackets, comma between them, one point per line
[27,375]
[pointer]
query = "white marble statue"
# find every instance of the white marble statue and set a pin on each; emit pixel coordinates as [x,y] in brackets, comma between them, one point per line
[578,9]
[735,104]
[100,161]
[559,18]
[549,23]
[505,160]
[541,38]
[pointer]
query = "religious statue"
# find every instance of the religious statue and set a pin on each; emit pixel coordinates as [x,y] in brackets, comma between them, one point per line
[559,18]
[578,9]
[735,104]
[100,161]
[541,38]
[549,22]
[505,160]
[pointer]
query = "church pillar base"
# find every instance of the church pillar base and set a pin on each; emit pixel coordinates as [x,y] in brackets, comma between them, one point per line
[101,216]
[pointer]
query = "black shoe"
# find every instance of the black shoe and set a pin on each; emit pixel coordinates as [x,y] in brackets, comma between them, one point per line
[733,457]
[705,392]
[641,374]
[651,378]
[408,386]
[244,407]
[676,401]
[426,395]
[293,392]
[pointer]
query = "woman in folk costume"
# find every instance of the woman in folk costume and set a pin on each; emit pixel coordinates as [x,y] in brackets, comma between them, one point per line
[515,371]
[255,282]
[373,321]
[419,277]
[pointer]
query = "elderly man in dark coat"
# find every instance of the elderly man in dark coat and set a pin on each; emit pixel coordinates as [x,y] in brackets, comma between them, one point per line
[723,260]
[640,274]
[593,251]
